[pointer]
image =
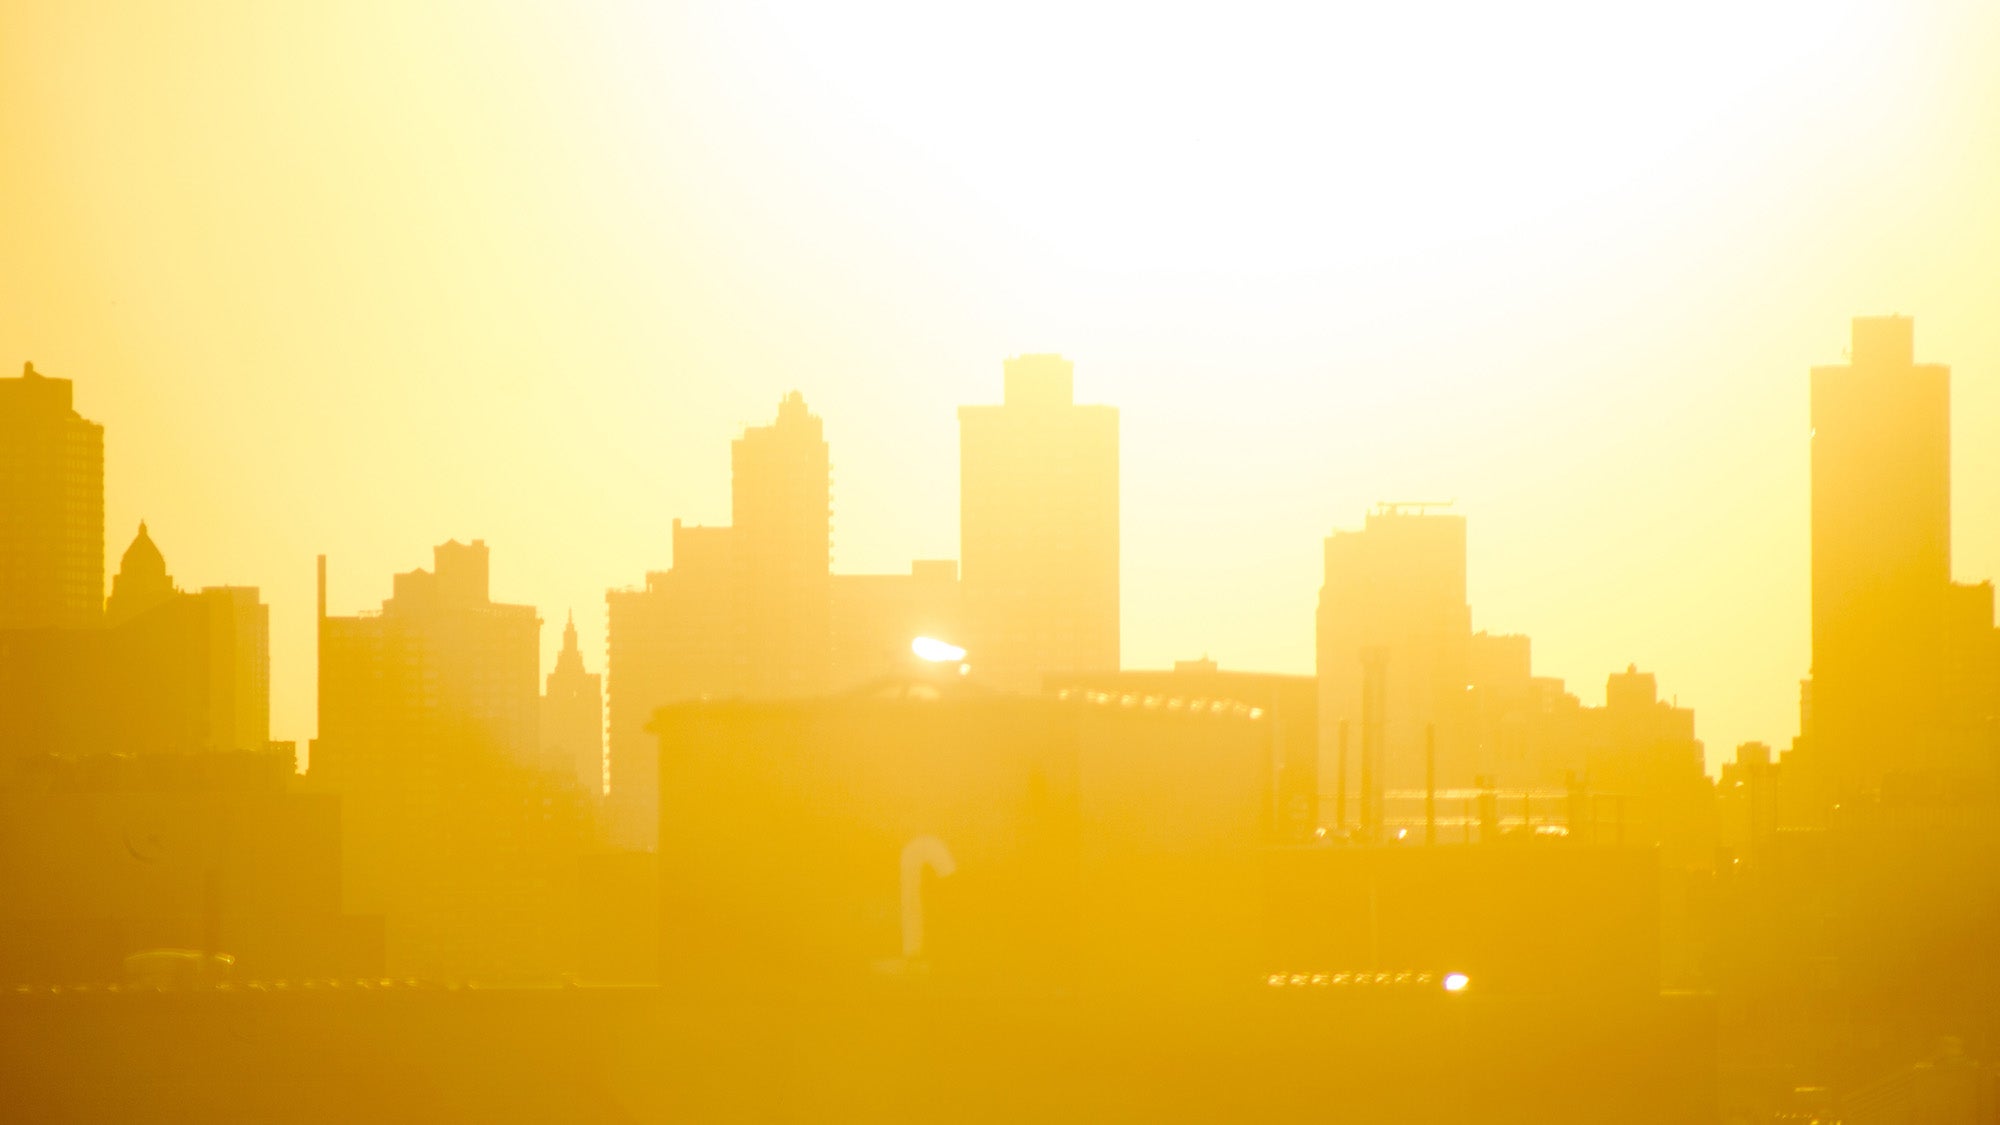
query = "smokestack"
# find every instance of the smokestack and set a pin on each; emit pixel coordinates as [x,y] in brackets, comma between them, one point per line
[1374,673]
[1340,781]
[1430,783]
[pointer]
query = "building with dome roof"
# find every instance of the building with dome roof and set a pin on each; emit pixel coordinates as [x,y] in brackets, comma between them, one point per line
[142,581]
[184,671]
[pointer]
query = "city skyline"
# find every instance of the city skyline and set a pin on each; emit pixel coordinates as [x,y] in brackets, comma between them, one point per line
[1716,754]
[1613,369]
[1055,562]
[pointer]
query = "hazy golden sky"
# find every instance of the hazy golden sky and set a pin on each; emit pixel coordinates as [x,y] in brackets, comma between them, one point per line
[360,279]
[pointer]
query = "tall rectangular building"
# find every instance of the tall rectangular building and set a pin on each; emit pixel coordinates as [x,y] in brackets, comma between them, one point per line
[746,611]
[1394,595]
[782,512]
[1901,657]
[1038,529]
[51,507]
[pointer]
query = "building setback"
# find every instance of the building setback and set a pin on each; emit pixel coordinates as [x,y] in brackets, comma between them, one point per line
[751,612]
[782,512]
[1905,663]
[1038,529]
[672,639]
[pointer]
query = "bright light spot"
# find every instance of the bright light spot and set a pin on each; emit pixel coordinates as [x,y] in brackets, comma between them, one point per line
[936,651]
[1456,982]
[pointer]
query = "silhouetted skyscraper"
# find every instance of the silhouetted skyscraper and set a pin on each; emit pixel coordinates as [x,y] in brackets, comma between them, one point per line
[51,507]
[782,512]
[671,641]
[1525,730]
[1646,769]
[573,716]
[440,674]
[238,628]
[750,611]
[1395,591]
[1902,658]
[1038,529]
[429,727]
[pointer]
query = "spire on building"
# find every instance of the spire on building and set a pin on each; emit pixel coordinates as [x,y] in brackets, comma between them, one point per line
[573,717]
[570,659]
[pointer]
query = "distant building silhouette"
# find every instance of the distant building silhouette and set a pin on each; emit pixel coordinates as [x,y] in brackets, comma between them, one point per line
[184,671]
[161,671]
[51,507]
[673,639]
[749,611]
[1427,707]
[1395,592]
[1905,662]
[1646,773]
[1038,529]
[430,730]
[1642,742]
[441,673]
[573,717]
[1527,730]
[1859,868]
[782,520]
